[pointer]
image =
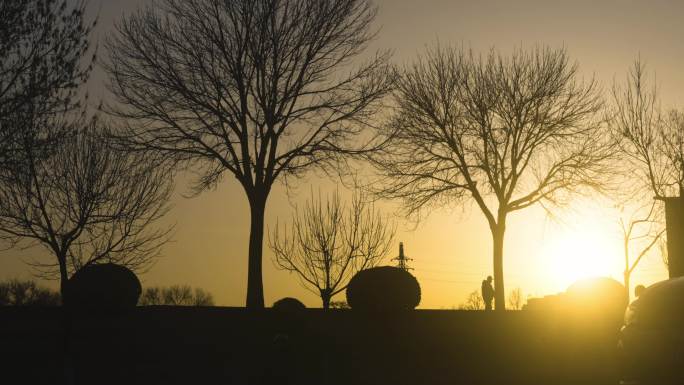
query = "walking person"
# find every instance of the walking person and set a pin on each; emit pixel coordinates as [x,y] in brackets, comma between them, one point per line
[487,293]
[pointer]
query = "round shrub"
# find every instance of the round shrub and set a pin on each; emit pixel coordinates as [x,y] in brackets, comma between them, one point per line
[602,298]
[384,288]
[288,304]
[105,286]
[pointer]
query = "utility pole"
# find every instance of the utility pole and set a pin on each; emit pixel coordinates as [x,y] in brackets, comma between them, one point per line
[402,259]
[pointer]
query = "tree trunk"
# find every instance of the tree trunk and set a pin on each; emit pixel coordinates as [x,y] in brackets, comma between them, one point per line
[67,356]
[498,240]
[255,284]
[63,278]
[326,301]
[626,275]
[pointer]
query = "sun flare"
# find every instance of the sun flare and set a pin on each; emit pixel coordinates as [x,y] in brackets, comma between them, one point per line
[588,248]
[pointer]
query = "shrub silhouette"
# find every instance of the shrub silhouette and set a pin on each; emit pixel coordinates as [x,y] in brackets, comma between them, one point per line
[288,304]
[104,286]
[603,298]
[384,288]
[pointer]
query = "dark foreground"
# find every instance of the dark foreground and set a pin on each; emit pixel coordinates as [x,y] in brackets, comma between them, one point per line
[178,345]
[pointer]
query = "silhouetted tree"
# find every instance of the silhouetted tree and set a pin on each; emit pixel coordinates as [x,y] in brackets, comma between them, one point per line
[652,149]
[176,295]
[86,203]
[474,301]
[515,299]
[26,293]
[652,141]
[328,243]
[258,89]
[505,131]
[42,44]
[641,230]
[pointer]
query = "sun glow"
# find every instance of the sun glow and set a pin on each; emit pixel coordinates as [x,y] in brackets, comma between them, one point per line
[588,248]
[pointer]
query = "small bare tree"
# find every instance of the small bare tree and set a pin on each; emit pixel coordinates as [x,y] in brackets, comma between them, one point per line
[85,202]
[258,89]
[474,301]
[328,243]
[641,230]
[506,132]
[515,299]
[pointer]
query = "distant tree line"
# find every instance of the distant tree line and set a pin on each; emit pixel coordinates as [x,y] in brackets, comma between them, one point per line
[176,295]
[17,292]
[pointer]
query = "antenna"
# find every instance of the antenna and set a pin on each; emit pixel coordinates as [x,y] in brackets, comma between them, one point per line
[402,259]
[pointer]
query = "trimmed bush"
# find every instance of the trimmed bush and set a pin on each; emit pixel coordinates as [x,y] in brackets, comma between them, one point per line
[603,298]
[384,288]
[105,286]
[288,304]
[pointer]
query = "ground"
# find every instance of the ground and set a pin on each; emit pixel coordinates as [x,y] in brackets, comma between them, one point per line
[189,345]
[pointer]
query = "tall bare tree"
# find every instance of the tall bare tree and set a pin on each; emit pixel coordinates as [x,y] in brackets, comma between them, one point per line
[652,147]
[86,203]
[506,131]
[258,89]
[42,47]
[328,242]
[652,141]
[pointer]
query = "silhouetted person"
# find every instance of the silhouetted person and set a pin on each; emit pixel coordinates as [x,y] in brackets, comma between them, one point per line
[638,290]
[487,292]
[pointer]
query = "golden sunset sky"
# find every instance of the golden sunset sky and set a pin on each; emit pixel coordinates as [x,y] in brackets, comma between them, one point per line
[450,247]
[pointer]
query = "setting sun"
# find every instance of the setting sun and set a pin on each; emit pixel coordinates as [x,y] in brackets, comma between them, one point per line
[585,248]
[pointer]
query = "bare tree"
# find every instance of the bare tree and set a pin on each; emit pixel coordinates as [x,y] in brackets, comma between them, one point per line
[85,202]
[641,230]
[258,89]
[474,301]
[652,141]
[515,299]
[175,295]
[652,145]
[42,44]
[507,132]
[327,243]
